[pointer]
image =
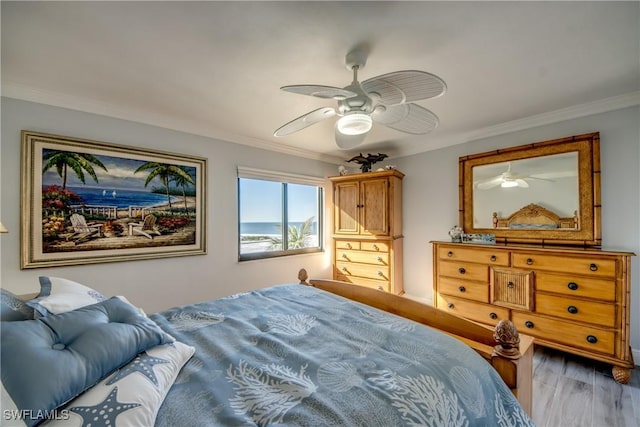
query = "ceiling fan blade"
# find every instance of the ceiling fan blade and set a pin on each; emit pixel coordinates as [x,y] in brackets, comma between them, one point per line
[319,91]
[347,142]
[304,121]
[409,118]
[404,86]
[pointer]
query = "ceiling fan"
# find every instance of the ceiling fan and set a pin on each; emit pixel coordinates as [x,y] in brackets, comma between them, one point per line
[508,179]
[386,100]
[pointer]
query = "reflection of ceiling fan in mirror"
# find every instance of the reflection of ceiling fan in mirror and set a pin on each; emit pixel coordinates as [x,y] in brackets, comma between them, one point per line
[386,100]
[508,179]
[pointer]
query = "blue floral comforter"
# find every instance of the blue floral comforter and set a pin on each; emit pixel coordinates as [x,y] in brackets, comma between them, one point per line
[296,355]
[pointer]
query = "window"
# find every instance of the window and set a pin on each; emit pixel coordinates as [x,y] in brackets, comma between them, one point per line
[279,214]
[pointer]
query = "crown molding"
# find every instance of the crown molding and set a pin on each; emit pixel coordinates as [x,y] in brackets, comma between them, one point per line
[41,96]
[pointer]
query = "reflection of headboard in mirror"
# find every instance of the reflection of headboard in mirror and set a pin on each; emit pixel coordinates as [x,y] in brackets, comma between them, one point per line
[561,176]
[535,217]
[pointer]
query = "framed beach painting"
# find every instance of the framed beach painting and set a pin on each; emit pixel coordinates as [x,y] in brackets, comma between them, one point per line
[87,202]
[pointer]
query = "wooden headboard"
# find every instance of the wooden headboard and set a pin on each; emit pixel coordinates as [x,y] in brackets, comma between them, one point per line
[535,215]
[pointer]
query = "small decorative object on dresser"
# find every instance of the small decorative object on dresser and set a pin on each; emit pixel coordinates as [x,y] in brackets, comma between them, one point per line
[456,234]
[367,236]
[572,299]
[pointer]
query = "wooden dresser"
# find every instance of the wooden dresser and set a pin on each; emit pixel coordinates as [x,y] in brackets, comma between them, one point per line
[572,299]
[367,235]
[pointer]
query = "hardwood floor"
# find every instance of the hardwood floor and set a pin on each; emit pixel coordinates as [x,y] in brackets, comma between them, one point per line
[573,391]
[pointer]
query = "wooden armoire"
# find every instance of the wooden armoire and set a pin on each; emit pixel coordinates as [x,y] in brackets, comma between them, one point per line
[367,232]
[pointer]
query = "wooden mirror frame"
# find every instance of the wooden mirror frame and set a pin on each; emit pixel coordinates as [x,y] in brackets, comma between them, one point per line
[588,215]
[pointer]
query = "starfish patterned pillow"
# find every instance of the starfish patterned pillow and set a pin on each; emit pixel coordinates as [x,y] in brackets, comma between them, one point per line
[132,395]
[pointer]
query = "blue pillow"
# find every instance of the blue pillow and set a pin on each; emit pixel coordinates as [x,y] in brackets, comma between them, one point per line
[13,308]
[49,361]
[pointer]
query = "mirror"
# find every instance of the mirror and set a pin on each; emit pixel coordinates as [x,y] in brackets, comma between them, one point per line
[545,192]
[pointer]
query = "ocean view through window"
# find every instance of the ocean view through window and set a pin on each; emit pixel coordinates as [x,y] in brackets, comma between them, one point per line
[278,216]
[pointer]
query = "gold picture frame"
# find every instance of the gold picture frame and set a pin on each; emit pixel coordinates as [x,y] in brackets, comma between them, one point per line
[87,202]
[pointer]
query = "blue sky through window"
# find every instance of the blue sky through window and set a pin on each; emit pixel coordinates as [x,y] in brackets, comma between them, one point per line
[261,201]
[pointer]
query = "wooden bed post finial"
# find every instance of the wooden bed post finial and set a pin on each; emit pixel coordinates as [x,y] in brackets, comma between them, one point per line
[303,276]
[506,334]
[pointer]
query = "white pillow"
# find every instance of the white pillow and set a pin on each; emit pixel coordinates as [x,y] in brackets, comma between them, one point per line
[132,395]
[58,295]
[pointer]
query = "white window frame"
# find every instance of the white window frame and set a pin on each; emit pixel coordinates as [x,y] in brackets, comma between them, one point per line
[283,178]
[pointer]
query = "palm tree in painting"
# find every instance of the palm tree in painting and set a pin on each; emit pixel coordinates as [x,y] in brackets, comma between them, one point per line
[165,173]
[77,162]
[183,181]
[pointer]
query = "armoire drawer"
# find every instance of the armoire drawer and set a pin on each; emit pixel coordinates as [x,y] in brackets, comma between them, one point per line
[347,244]
[374,258]
[374,246]
[594,312]
[477,291]
[564,332]
[484,313]
[363,270]
[485,256]
[464,270]
[381,285]
[576,286]
[588,266]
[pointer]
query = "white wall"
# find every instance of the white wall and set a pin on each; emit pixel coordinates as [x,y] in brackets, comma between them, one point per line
[162,283]
[431,195]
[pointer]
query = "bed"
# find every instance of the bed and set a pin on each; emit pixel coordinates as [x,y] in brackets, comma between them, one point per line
[313,353]
[533,216]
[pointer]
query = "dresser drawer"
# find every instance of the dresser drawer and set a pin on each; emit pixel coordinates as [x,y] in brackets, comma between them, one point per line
[381,285]
[375,258]
[588,266]
[374,246]
[476,311]
[477,291]
[363,270]
[347,244]
[567,333]
[576,286]
[464,270]
[597,313]
[485,256]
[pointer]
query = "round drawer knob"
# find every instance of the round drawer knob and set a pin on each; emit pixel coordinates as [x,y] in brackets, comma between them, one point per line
[462,289]
[348,245]
[344,256]
[450,305]
[344,269]
[573,286]
[572,309]
[380,273]
[591,339]
[449,254]
[461,270]
[528,324]
[529,261]
[511,285]
[380,288]
[375,247]
[493,258]
[493,316]
[593,267]
[379,259]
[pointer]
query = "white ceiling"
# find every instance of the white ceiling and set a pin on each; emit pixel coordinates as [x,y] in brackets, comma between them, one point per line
[215,68]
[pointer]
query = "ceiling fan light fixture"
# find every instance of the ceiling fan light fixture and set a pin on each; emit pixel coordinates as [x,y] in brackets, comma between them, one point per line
[355,124]
[508,184]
